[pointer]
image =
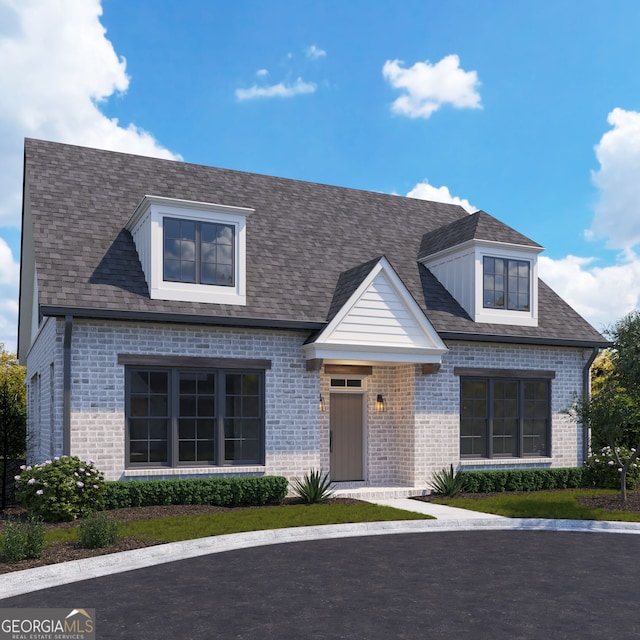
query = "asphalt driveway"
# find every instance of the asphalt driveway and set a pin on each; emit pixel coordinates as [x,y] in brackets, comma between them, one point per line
[461,584]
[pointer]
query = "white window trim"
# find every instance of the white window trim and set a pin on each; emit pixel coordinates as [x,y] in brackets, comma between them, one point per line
[506,316]
[460,269]
[148,221]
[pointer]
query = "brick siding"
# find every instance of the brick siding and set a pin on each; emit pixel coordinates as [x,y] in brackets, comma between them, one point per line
[417,435]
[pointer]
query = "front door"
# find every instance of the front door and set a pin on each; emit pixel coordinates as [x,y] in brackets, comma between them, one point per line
[346,437]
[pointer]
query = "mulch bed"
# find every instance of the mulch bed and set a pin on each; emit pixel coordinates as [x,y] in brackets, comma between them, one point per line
[64,551]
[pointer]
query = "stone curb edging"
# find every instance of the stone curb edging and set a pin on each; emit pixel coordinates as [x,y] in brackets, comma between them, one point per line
[28,580]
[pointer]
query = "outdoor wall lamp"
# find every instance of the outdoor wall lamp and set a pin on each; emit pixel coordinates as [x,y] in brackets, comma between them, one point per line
[381,405]
[323,408]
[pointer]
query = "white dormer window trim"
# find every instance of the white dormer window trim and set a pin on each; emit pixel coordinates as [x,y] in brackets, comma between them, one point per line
[504,315]
[460,269]
[147,228]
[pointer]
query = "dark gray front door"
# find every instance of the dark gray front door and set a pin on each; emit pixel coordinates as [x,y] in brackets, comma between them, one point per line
[346,437]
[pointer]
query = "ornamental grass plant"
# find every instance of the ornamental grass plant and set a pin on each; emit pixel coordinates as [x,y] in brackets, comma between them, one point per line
[448,482]
[315,487]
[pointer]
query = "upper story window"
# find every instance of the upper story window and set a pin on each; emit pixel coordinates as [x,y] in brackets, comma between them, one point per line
[198,252]
[506,284]
[192,251]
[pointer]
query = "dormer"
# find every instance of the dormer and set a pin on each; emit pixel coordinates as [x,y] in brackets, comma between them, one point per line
[191,251]
[489,268]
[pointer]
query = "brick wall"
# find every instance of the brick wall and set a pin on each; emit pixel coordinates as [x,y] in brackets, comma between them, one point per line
[44,392]
[98,391]
[438,398]
[403,446]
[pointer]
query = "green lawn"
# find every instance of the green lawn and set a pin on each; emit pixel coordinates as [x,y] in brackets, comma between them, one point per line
[174,528]
[542,504]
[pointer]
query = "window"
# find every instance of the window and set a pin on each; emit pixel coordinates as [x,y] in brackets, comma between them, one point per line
[504,418]
[506,284]
[198,252]
[192,251]
[187,417]
[355,383]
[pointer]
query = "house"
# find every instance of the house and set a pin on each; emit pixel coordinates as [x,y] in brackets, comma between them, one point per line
[179,320]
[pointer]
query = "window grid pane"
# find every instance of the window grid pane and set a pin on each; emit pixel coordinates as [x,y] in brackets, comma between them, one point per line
[148,417]
[474,418]
[243,420]
[197,413]
[535,423]
[179,250]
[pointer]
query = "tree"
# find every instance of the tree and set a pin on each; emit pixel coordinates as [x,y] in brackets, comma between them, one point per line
[601,370]
[13,399]
[613,409]
[625,357]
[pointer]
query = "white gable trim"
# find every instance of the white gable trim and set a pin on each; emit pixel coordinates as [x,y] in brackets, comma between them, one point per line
[380,322]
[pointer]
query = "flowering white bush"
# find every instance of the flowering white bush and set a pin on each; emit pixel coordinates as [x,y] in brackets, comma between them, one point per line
[64,488]
[605,471]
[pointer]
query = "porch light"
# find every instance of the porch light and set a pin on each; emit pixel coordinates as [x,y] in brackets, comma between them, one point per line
[323,408]
[381,405]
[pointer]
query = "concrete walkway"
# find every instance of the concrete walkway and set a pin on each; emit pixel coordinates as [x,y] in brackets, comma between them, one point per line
[448,519]
[439,511]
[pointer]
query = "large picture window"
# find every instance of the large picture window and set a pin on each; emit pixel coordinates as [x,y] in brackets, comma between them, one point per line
[504,418]
[198,252]
[506,284]
[194,417]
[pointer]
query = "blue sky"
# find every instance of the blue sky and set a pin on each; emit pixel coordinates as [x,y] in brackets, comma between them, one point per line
[528,110]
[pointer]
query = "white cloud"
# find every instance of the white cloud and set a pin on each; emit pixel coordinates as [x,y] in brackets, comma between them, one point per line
[314,52]
[602,295]
[9,279]
[430,86]
[56,66]
[617,212]
[426,191]
[261,73]
[280,90]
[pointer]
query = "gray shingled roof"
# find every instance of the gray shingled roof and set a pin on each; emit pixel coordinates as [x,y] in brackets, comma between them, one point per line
[348,282]
[300,239]
[477,226]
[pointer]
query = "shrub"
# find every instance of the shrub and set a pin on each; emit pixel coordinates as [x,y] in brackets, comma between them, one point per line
[64,488]
[97,531]
[23,540]
[448,482]
[525,479]
[313,488]
[222,492]
[604,470]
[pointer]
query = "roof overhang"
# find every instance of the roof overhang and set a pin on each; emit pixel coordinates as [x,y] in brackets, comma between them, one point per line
[357,355]
[178,318]
[530,340]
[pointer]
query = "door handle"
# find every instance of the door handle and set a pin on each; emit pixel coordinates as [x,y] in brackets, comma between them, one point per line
[331,441]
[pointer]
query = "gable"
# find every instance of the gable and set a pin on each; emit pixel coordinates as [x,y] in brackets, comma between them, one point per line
[380,321]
